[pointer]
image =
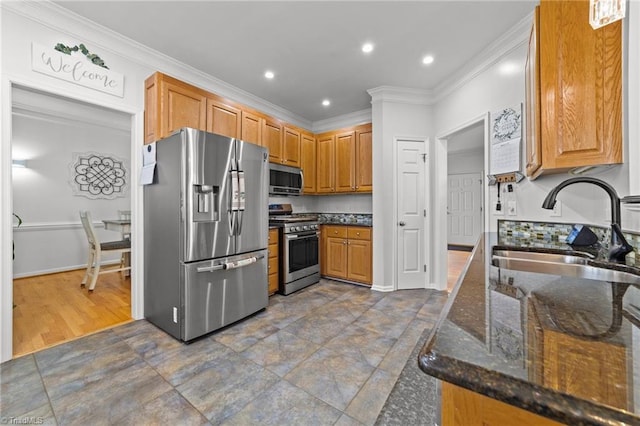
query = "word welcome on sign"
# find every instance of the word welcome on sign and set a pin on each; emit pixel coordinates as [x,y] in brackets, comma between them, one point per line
[76,69]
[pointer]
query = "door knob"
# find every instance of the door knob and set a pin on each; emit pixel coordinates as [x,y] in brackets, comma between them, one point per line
[402,223]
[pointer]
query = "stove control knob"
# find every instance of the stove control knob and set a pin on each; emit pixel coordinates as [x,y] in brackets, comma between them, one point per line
[313,227]
[305,228]
[294,228]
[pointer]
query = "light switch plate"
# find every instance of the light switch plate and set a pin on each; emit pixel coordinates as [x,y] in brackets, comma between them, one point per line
[511,208]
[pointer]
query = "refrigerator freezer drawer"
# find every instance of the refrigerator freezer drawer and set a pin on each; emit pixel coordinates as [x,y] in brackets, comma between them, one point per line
[222,291]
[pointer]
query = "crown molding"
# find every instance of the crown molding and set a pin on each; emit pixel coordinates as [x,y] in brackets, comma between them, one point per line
[59,19]
[402,95]
[515,37]
[345,120]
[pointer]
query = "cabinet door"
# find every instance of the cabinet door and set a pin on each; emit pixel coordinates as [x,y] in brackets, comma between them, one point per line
[580,87]
[326,166]
[151,109]
[462,407]
[223,119]
[251,128]
[359,261]
[272,139]
[364,161]
[592,370]
[345,162]
[308,163]
[182,106]
[532,97]
[291,147]
[337,257]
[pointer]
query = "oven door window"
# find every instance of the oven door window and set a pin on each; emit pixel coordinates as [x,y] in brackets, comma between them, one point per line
[303,252]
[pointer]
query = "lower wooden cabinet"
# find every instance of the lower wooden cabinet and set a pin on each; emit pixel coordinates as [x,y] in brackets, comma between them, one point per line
[346,253]
[274,275]
[462,407]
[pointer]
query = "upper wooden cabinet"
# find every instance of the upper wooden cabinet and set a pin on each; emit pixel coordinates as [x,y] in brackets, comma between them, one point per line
[272,139]
[339,161]
[251,128]
[325,149]
[308,162]
[364,159]
[291,142]
[580,101]
[223,119]
[345,160]
[532,98]
[171,104]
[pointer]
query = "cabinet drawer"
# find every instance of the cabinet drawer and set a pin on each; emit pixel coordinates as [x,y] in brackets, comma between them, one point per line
[273,250]
[336,231]
[273,236]
[273,265]
[359,233]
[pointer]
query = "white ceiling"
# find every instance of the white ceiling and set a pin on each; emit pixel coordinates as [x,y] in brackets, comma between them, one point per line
[313,47]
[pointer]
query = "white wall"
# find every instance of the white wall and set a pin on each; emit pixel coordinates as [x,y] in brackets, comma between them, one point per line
[403,116]
[51,238]
[494,89]
[347,203]
[465,162]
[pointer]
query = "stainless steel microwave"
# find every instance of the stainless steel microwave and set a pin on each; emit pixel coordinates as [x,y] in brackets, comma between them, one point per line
[285,180]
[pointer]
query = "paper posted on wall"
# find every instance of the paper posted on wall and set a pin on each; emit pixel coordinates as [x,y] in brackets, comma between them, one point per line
[148,164]
[506,134]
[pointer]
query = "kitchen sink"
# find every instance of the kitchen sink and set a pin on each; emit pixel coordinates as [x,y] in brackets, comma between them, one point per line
[571,265]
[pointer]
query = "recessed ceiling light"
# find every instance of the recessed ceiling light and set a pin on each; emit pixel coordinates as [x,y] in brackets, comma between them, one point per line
[269,74]
[509,68]
[367,47]
[427,60]
[326,102]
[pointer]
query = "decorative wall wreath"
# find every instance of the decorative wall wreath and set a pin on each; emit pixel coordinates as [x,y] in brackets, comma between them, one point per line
[95,59]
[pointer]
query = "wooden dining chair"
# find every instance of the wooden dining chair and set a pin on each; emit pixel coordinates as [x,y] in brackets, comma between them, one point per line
[96,249]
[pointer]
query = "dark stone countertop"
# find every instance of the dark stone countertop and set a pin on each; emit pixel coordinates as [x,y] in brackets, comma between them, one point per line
[562,347]
[349,219]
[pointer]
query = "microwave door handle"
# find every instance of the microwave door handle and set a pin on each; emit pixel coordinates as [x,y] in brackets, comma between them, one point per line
[301,180]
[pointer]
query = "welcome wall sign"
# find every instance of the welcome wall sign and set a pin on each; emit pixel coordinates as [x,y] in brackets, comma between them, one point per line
[76,69]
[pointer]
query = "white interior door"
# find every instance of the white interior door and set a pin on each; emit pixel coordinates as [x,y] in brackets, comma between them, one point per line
[464,208]
[411,213]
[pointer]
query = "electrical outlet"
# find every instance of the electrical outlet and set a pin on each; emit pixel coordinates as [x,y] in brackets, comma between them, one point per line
[511,208]
[557,209]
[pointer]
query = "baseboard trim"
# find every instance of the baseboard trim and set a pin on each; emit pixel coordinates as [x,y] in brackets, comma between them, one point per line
[459,247]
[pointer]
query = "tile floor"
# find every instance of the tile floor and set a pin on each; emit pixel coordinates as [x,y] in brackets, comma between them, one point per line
[329,354]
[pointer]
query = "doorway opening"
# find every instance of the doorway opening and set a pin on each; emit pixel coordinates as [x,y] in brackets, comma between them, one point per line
[58,141]
[463,150]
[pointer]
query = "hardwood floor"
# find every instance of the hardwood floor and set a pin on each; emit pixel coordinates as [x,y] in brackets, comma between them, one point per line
[51,309]
[457,260]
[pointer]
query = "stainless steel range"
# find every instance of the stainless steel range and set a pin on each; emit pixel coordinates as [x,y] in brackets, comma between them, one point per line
[299,243]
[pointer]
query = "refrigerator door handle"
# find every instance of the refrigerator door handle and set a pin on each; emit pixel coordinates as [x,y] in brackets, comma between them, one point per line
[235,202]
[210,268]
[241,203]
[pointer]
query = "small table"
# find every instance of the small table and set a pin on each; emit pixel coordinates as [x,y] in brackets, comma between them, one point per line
[121,225]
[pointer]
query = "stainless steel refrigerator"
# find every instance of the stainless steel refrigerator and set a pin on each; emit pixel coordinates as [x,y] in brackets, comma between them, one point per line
[205,233]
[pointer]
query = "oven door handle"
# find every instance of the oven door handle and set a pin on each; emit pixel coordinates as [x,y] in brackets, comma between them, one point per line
[301,237]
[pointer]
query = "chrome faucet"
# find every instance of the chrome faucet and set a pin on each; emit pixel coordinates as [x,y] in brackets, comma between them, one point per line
[619,246]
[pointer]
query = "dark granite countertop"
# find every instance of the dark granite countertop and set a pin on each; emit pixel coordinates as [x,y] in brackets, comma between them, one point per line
[350,219]
[563,347]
